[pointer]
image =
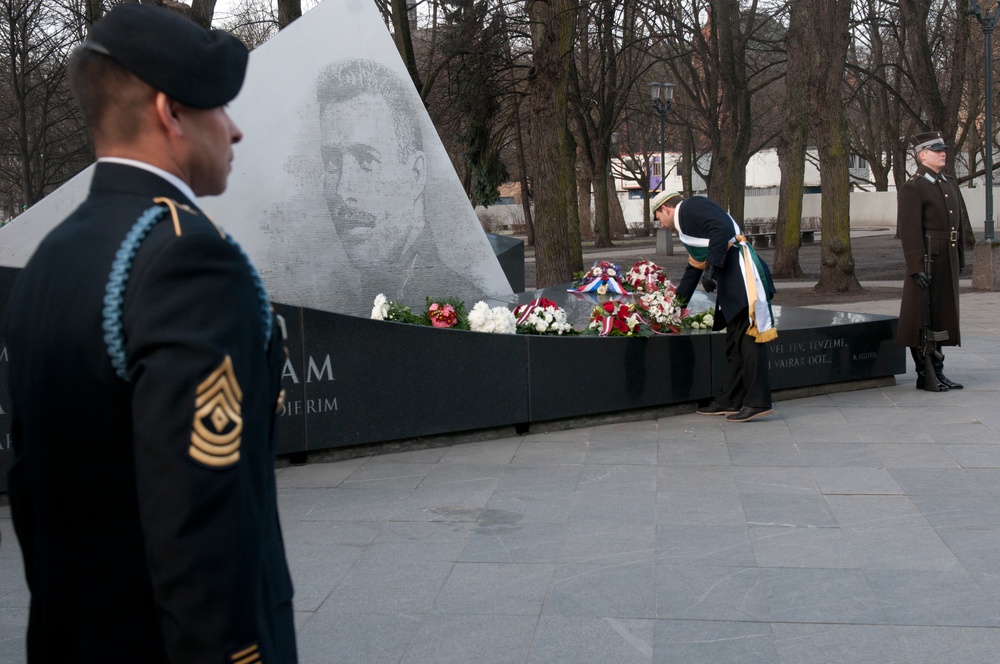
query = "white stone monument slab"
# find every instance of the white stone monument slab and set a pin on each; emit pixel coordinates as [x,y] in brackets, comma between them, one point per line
[341,188]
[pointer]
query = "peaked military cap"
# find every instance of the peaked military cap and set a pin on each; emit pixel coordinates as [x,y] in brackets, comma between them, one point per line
[173,54]
[928,140]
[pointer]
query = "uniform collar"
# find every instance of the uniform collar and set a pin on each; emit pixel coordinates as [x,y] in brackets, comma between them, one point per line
[930,175]
[178,183]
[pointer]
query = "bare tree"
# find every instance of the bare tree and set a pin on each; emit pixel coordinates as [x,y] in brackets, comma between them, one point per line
[934,37]
[792,146]
[553,26]
[252,21]
[610,59]
[722,54]
[42,138]
[827,52]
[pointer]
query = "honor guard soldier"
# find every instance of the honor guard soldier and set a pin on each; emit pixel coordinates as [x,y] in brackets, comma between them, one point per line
[930,217]
[145,368]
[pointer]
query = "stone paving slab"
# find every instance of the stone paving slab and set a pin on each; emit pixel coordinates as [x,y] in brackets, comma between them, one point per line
[850,527]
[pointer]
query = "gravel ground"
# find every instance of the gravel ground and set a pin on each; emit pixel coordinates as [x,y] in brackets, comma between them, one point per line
[876,257]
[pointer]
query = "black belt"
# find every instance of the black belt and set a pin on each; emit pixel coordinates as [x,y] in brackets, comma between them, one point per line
[951,236]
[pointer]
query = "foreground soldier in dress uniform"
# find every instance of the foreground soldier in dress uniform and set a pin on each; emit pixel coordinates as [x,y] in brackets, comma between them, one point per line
[145,376]
[721,258]
[930,216]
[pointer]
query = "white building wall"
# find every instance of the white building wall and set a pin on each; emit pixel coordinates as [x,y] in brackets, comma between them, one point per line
[869,210]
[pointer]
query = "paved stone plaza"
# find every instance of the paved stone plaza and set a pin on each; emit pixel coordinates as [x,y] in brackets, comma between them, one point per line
[852,527]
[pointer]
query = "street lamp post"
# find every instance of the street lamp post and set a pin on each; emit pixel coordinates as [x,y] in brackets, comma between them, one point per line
[663,95]
[987,23]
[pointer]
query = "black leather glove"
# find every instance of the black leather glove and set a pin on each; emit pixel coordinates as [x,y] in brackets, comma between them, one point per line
[923,279]
[710,279]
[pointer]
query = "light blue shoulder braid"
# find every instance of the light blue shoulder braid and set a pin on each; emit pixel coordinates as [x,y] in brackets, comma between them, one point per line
[114,292]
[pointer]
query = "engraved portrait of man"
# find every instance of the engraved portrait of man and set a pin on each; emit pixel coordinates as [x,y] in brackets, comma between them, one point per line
[375,172]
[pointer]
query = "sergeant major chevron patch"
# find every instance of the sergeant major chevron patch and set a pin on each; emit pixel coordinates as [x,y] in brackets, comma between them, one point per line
[218,420]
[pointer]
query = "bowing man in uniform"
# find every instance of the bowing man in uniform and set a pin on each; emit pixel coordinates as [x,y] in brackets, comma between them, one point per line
[145,366]
[721,258]
[930,213]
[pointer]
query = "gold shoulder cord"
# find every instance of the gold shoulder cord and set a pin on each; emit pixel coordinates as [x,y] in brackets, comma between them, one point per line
[173,206]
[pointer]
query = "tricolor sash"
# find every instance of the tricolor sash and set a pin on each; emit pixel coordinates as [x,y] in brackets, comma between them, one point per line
[759,309]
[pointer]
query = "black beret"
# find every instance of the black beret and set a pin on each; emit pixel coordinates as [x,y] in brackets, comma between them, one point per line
[173,54]
[928,140]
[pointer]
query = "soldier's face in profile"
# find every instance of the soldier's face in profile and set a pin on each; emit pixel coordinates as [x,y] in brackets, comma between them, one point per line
[933,159]
[370,194]
[209,138]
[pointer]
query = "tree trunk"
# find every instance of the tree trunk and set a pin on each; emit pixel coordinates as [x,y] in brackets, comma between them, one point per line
[615,207]
[583,187]
[522,169]
[552,25]
[601,222]
[575,248]
[788,226]
[828,57]
[792,149]
[401,32]
[731,155]
[94,10]
[940,102]
[202,12]
[687,159]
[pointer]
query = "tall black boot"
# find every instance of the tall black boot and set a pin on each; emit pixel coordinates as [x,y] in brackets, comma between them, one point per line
[918,360]
[945,382]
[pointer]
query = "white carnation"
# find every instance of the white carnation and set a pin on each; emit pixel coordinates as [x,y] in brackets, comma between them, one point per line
[381,307]
[498,319]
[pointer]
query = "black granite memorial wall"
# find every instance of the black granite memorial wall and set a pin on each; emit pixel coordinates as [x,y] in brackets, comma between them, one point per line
[352,381]
[7,278]
[820,347]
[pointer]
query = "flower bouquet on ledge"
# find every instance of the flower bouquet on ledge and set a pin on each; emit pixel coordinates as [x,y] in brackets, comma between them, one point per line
[662,309]
[705,321]
[446,312]
[385,309]
[498,319]
[542,316]
[616,319]
[646,276]
[604,277]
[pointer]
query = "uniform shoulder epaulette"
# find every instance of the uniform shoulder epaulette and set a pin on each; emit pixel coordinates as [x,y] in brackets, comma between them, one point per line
[114,291]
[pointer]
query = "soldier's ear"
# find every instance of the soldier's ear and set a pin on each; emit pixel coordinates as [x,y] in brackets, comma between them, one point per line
[166,114]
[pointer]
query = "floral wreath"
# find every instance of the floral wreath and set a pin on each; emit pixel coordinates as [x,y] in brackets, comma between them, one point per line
[604,277]
[542,316]
[646,276]
[617,319]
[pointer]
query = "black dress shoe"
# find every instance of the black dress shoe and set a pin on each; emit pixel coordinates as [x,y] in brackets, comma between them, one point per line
[717,409]
[748,413]
[920,383]
[950,384]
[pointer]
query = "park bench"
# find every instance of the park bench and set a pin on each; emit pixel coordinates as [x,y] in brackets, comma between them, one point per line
[761,232]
